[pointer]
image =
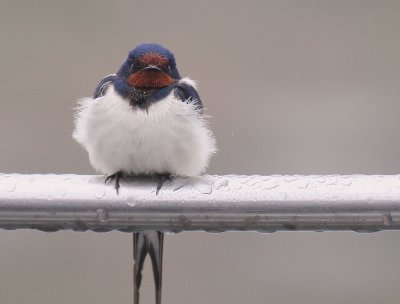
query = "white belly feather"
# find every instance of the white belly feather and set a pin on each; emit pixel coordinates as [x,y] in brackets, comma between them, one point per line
[171,137]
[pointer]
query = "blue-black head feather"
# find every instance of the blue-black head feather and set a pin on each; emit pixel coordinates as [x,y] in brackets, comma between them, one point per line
[144,48]
[130,76]
[132,62]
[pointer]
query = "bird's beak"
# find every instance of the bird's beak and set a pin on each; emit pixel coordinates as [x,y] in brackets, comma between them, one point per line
[152,68]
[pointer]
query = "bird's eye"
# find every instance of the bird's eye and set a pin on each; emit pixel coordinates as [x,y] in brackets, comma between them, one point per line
[135,67]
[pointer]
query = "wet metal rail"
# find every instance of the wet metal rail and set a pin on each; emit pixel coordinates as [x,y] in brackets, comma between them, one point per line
[211,203]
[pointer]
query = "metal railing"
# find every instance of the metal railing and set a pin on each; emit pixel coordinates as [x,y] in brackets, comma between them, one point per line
[362,203]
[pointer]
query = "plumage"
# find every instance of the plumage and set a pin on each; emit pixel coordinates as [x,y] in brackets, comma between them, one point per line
[171,137]
[145,119]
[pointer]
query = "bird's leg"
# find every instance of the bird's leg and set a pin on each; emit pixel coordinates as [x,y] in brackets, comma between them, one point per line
[117,176]
[161,180]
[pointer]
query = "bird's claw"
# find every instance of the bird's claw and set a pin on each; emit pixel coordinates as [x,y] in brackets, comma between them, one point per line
[161,179]
[117,176]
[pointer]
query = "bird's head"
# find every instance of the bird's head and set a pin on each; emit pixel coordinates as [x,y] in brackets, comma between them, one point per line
[149,66]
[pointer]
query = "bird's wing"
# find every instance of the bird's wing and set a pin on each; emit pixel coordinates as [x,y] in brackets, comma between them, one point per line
[103,85]
[186,91]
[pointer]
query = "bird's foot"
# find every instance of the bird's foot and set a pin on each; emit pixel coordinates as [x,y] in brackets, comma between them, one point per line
[161,179]
[117,176]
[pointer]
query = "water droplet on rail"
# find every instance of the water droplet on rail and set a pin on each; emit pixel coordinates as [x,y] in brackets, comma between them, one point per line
[201,184]
[387,219]
[205,189]
[12,188]
[221,183]
[347,183]
[304,185]
[267,230]
[290,178]
[252,181]
[102,215]
[270,185]
[365,230]
[100,194]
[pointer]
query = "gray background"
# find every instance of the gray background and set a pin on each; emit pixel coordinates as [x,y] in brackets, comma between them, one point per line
[293,87]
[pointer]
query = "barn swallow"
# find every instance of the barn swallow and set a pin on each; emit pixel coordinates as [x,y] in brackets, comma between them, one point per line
[145,120]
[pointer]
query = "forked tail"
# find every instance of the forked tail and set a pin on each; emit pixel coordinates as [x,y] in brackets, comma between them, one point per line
[147,242]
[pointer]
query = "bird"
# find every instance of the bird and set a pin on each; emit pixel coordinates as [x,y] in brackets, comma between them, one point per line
[145,120]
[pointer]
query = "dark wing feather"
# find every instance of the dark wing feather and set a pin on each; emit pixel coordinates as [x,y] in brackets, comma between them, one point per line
[186,92]
[102,87]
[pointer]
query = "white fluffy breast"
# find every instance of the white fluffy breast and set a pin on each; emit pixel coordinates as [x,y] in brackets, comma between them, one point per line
[171,137]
